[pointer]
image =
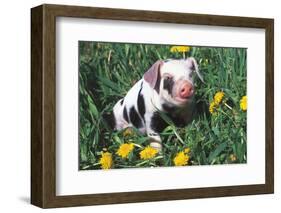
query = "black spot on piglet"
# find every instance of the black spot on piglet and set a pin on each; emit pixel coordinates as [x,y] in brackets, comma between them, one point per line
[134,118]
[109,120]
[141,105]
[125,114]
[168,84]
[157,123]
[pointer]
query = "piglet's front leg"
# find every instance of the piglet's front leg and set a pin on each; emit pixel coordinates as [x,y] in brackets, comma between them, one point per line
[154,137]
[155,141]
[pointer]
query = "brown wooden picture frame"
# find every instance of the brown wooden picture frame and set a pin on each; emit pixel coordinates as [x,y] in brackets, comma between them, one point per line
[43,105]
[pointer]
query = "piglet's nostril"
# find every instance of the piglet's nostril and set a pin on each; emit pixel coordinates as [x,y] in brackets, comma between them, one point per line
[186,91]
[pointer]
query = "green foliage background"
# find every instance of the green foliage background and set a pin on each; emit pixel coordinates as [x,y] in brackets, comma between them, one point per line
[108,70]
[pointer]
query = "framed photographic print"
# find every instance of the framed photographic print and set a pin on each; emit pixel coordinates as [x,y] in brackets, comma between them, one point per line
[135,106]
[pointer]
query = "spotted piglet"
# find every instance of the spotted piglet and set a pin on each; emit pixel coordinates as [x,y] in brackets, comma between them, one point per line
[166,87]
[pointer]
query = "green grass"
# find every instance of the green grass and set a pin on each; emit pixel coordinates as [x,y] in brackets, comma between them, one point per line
[108,70]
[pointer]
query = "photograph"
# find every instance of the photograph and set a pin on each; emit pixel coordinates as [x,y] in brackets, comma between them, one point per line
[161,105]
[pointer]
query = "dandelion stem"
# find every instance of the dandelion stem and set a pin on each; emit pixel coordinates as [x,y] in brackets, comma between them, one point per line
[158,157]
[178,136]
[144,162]
[229,107]
[124,166]
[137,145]
[88,166]
[228,117]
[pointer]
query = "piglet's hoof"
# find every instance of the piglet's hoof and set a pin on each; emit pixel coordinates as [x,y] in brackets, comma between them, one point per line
[156,145]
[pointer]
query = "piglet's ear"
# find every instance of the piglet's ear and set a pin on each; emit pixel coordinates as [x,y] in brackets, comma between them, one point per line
[152,75]
[194,67]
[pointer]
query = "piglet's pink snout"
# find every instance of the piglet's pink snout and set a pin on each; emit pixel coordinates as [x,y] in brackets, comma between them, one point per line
[186,90]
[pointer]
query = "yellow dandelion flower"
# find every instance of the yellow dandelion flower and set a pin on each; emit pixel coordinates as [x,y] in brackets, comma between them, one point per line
[218,97]
[232,157]
[106,160]
[186,150]
[148,153]
[181,159]
[243,103]
[180,49]
[125,149]
[128,132]
[212,107]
